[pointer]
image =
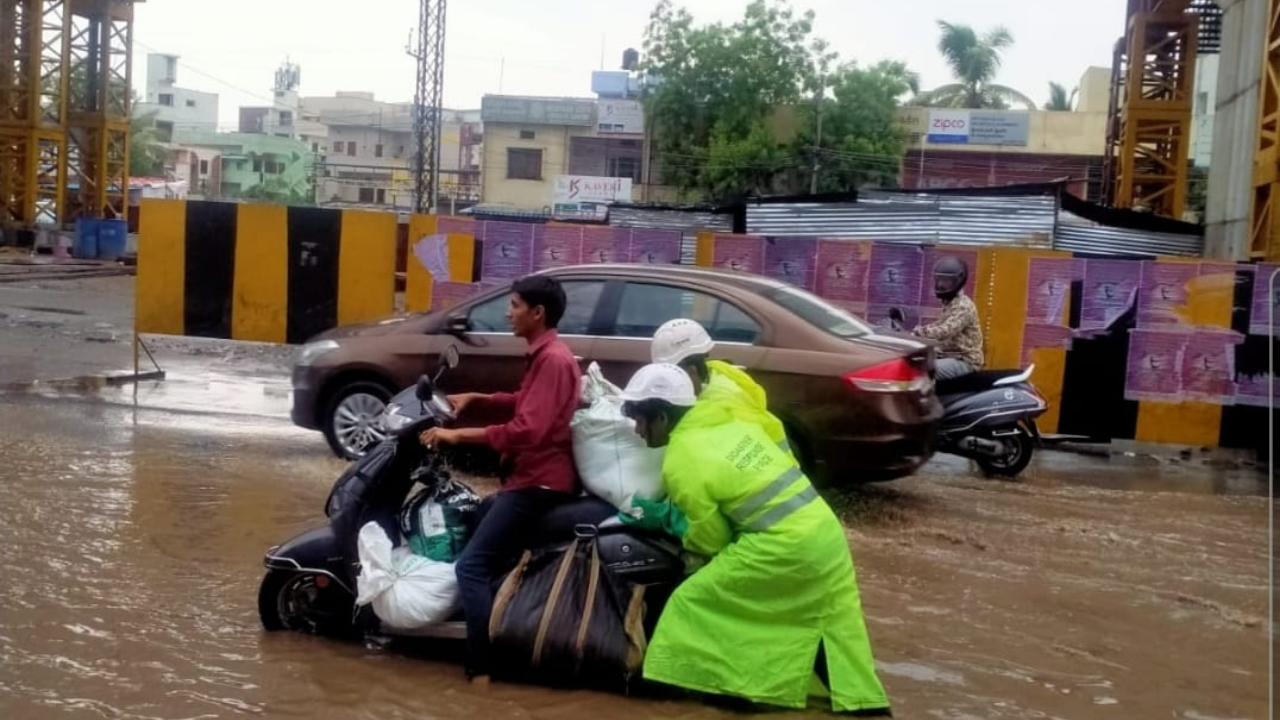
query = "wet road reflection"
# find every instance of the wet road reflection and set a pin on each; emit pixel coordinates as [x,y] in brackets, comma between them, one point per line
[131,543]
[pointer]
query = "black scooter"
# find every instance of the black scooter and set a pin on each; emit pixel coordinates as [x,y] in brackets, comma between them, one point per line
[310,584]
[989,415]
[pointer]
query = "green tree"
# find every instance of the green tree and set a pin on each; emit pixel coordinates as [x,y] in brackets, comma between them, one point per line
[974,61]
[1059,99]
[862,143]
[711,90]
[147,153]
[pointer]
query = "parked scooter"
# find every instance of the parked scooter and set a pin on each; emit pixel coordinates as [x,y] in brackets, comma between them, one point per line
[310,584]
[989,415]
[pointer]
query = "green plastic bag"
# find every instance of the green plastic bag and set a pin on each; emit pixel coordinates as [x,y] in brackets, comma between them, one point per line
[437,522]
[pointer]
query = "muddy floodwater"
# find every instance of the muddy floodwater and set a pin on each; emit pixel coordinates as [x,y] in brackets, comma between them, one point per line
[131,547]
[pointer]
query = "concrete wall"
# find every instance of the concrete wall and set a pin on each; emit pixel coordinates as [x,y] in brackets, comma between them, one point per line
[1235,132]
[1094,94]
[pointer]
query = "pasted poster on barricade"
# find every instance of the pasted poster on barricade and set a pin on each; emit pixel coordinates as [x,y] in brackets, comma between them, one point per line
[930,305]
[1253,389]
[556,246]
[602,245]
[1165,292]
[1154,371]
[739,253]
[432,252]
[792,260]
[1109,289]
[841,275]
[508,251]
[449,225]
[447,294]
[1049,290]
[894,281]
[654,247]
[1208,365]
[1266,300]
[1042,335]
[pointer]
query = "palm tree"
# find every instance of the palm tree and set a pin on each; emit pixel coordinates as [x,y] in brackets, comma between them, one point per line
[1059,99]
[974,62]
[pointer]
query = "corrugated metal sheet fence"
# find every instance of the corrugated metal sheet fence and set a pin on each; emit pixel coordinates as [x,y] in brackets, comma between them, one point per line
[689,222]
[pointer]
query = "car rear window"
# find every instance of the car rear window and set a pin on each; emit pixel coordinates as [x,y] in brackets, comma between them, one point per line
[819,313]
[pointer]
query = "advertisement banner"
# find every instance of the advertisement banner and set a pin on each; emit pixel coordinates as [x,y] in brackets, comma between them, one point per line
[654,247]
[976,127]
[841,275]
[739,253]
[620,117]
[1049,290]
[792,260]
[432,252]
[555,246]
[1110,288]
[896,274]
[1154,371]
[507,251]
[1253,390]
[1266,300]
[572,189]
[1208,366]
[602,245]
[1165,292]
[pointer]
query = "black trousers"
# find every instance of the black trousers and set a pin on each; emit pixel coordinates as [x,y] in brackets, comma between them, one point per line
[505,521]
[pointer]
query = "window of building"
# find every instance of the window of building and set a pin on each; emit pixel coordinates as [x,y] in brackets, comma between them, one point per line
[645,307]
[315,147]
[191,103]
[524,164]
[274,168]
[377,151]
[382,196]
[526,135]
[625,167]
[366,195]
[400,151]
[166,99]
[286,119]
[204,167]
[351,148]
[257,165]
[337,146]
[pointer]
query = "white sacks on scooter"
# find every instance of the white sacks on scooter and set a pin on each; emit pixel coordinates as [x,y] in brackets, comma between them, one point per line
[407,591]
[613,462]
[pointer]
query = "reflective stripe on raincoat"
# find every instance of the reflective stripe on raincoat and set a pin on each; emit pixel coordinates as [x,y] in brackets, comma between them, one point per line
[779,583]
[745,399]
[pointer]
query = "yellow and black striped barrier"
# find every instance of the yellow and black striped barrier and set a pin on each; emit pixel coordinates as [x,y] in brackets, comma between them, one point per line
[268,273]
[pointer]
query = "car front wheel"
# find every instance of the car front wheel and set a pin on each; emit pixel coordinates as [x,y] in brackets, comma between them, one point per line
[353,418]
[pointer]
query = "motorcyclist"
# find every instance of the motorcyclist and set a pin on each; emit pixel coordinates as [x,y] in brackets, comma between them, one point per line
[686,343]
[957,330]
[781,576]
[538,470]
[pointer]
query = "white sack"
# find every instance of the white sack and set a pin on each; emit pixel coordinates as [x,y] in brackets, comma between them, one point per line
[613,462]
[406,591]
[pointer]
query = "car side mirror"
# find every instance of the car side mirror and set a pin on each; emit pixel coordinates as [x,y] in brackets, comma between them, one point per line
[457,325]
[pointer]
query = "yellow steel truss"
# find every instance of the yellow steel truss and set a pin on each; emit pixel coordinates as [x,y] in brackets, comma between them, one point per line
[1264,241]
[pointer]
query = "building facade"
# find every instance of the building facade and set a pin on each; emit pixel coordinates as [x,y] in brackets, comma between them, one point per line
[245,166]
[176,108]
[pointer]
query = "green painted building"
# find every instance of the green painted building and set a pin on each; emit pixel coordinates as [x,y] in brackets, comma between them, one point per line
[247,166]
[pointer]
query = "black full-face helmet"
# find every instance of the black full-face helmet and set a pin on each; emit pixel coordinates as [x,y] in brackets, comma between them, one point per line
[950,274]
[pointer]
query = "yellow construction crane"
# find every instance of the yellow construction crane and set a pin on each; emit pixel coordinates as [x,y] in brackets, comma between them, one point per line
[1264,236]
[65,96]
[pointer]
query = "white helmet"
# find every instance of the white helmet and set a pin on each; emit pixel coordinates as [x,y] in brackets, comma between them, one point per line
[678,340]
[661,381]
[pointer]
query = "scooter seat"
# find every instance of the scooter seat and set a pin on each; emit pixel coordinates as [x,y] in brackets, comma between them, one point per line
[559,524]
[975,381]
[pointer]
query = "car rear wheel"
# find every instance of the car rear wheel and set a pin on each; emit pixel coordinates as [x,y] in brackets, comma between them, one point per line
[353,418]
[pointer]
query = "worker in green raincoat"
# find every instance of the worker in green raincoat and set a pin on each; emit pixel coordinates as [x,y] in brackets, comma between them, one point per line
[686,343]
[778,598]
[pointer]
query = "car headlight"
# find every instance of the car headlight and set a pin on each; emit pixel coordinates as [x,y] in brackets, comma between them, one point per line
[312,352]
[393,421]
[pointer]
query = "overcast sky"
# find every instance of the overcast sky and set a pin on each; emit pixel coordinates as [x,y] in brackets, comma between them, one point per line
[550,47]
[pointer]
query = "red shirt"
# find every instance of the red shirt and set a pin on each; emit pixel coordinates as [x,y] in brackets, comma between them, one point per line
[536,445]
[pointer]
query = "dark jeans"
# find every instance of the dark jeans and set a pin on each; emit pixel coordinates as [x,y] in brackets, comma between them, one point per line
[505,520]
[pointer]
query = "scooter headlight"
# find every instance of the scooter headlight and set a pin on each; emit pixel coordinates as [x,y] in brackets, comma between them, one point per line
[393,420]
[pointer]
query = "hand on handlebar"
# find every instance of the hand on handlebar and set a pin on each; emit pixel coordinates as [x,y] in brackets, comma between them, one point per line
[462,400]
[433,438]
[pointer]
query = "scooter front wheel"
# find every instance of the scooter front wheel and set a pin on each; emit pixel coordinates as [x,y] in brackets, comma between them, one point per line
[303,602]
[1019,447]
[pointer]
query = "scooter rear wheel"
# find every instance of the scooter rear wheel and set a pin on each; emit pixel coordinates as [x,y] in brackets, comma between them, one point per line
[1020,445]
[296,601]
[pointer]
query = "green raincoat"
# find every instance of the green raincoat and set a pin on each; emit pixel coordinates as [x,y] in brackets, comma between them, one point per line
[779,583]
[745,399]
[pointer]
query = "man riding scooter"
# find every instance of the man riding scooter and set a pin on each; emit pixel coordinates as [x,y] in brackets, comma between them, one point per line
[957,330]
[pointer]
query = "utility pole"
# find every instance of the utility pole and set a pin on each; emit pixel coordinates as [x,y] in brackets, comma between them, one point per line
[817,144]
[427,101]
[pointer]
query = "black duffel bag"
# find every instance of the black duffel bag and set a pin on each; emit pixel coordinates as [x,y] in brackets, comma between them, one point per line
[561,618]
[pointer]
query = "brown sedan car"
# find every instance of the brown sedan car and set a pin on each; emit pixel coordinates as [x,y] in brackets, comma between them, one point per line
[859,405]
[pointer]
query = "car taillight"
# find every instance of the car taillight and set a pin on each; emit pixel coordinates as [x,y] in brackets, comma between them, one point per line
[893,376]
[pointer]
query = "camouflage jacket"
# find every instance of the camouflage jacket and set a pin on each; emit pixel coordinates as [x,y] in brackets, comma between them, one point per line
[958,331]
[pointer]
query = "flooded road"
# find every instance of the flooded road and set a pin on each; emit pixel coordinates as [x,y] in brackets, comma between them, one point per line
[131,544]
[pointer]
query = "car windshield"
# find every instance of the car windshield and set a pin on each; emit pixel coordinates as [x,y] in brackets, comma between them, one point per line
[819,313]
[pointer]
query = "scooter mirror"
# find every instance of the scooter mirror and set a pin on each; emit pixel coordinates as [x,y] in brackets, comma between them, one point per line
[449,358]
[426,389]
